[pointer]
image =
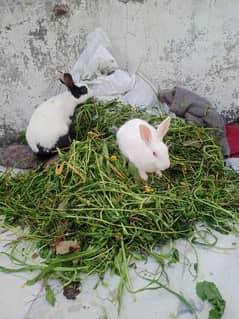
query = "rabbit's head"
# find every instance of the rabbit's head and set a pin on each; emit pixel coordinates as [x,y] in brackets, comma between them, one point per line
[157,150]
[76,90]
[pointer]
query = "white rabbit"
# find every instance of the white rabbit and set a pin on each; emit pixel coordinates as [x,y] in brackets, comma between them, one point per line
[143,146]
[50,123]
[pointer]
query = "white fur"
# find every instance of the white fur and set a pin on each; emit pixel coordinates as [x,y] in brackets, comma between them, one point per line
[139,152]
[51,119]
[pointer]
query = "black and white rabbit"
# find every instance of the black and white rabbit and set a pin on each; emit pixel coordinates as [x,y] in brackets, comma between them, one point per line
[50,123]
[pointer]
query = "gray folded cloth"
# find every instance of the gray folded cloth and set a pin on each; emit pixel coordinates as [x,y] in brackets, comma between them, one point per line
[197,109]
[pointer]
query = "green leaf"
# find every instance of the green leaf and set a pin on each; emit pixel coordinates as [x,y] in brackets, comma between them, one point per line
[208,291]
[175,256]
[214,314]
[105,150]
[49,295]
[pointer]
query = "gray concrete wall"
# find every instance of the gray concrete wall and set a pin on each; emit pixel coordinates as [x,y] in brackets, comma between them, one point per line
[190,43]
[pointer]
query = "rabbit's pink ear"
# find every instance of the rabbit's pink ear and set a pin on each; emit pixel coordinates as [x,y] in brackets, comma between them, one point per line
[163,127]
[145,133]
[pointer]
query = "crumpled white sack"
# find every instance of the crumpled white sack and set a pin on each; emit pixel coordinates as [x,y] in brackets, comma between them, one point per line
[115,84]
[100,70]
[95,58]
[141,95]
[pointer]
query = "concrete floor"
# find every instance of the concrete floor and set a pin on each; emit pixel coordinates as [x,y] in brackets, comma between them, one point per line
[219,265]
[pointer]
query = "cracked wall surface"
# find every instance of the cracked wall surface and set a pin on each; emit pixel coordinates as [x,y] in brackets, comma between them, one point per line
[190,43]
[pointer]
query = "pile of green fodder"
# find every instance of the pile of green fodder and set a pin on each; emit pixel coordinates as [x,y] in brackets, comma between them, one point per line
[93,196]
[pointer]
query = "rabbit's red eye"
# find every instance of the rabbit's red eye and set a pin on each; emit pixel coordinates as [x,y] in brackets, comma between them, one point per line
[155,154]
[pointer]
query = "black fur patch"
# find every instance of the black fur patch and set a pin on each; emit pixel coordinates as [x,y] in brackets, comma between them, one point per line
[43,153]
[77,91]
[62,142]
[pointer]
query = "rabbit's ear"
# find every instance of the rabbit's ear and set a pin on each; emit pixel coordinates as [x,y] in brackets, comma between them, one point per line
[67,80]
[145,133]
[163,127]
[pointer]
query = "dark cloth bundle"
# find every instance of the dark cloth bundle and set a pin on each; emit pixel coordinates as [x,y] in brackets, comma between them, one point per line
[197,109]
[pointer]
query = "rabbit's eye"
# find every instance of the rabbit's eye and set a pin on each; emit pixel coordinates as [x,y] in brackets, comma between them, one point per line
[155,154]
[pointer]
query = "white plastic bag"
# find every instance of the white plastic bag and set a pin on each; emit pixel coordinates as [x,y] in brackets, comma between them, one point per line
[141,95]
[95,58]
[116,84]
[99,69]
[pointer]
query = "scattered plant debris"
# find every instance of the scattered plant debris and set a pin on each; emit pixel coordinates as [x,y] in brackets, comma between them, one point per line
[208,291]
[66,247]
[49,294]
[72,290]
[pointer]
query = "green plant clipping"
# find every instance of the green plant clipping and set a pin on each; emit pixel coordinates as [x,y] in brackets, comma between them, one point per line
[93,197]
[208,291]
[49,294]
